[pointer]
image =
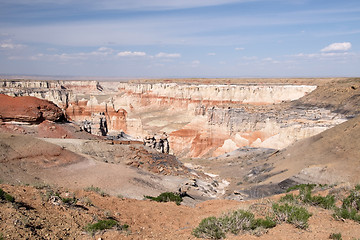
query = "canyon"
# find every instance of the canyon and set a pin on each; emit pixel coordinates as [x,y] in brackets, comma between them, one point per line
[222,144]
[201,120]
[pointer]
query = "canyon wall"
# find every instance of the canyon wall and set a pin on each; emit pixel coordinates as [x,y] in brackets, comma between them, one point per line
[250,94]
[210,120]
[201,120]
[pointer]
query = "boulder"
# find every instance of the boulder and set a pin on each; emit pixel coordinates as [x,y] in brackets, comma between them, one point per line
[28,109]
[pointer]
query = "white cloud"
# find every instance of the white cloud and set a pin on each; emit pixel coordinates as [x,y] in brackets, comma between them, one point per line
[11,46]
[131,54]
[211,54]
[344,46]
[239,49]
[168,55]
[250,58]
[323,55]
[195,63]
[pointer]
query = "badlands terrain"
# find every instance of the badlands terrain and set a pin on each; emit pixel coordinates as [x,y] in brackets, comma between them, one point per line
[76,152]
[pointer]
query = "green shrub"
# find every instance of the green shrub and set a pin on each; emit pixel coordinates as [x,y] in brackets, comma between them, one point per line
[237,221]
[234,222]
[350,206]
[69,201]
[288,198]
[305,192]
[5,196]
[297,216]
[167,197]
[327,202]
[1,236]
[263,223]
[352,201]
[344,213]
[305,196]
[301,187]
[335,236]
[209,228]
[105,224]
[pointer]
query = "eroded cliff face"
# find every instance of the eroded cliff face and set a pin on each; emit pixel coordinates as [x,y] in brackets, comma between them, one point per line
[201,120]
[210,120]
[80,100]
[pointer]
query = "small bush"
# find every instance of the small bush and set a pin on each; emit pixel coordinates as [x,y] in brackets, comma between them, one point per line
[297,216]
[105,224]
[263,223]
[209,228]
[352,201]
[69,201]
[288,198]
[350,206]
[327,202]
[344,213]
[335,236]
[301,187]
[96,190]
[5,196]
[234,222]
[237,221]
[167,197]
[305,196]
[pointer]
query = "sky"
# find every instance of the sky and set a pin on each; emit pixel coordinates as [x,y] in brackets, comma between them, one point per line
[187,38]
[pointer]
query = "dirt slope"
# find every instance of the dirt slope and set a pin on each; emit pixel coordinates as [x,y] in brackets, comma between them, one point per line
[28,160]
[39,218]
[342,96]
[332,156]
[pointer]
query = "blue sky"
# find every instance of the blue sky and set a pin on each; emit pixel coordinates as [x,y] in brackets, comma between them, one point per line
[187,38]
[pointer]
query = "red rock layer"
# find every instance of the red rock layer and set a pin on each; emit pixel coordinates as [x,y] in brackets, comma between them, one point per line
[28,109]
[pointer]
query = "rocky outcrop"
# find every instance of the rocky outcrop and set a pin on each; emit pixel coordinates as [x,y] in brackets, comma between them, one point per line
[28,109]
[158,142]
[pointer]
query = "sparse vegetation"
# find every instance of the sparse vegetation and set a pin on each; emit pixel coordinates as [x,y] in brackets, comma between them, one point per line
[96,190]
[69,201]
[1,236]
[298,216]
[327,202]
[6,197]
[290,198]
[86,201]
[209,228]
[105,224]
[335,236]
[350,206]
[167,197]
[234,222]
[301,186]
[42,186]
[305,196]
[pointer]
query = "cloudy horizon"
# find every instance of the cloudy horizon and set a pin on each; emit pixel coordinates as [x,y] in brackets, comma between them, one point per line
[210,38]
